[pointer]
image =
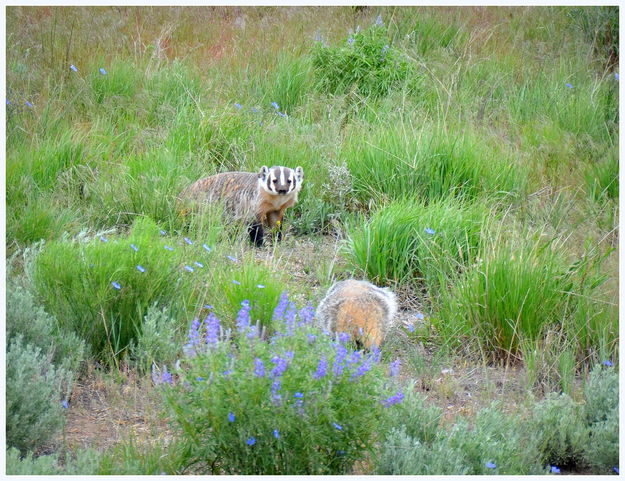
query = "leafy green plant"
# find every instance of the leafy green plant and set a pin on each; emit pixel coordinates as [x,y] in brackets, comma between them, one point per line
[367,61]
[83,462]
[35,389]
[156,342]
[298,403]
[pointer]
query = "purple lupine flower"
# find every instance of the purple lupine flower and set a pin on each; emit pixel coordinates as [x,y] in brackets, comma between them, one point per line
[73,67]
[259,367]
[289,355]
[251,441]
[311,338]
[188,241]
[116,285]
[252,332]
[141,268]
[376,354]
[166,376]
[243,316]
[134,247]
[341,353]
[102,71]
[8,102]
[275,387]
[322,368]
[354,358]
[279,368]
[344,337]
[363,369]
[289,319]
[394,367]
[280,309]
[337,426]
[615,469]
[307,314]
[212,329]
[396,399]
[490,465]
[231,417]
[227,372]
[350,41]
[208,249]
[194,332]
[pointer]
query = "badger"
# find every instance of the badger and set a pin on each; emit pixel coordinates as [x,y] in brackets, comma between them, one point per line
[259,199]
[359,308]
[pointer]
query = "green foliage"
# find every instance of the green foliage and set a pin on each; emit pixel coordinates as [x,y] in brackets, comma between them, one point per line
[394,245]
[84,462]
[601,28]
[559,430]
[248,406]
[400,161]
[602,177]
[129,457]
[601,414]
[35,389]
[76,282]
[157,341]
[367,62]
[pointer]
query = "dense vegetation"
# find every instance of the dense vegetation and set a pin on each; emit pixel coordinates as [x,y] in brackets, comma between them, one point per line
[465,157]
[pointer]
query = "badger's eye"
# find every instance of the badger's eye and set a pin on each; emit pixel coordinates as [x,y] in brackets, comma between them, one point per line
[288,181]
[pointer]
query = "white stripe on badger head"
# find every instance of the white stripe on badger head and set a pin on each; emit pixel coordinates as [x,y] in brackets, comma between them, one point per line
[282,178]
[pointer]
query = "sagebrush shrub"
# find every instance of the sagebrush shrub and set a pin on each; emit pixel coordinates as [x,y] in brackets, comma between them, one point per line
[35,390]
[297,403]
[367,61]
[83,462]
[157,341]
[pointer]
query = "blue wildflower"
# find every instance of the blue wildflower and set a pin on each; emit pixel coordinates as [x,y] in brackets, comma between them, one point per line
[189,268]
[298,395]
[166,376]
[311,338]
[65,404]
[275,387]
[350,41]
[102,71]
[491,465]
[344,337]
[260,286]
[162,232]
[28,104]
[141,268]
[169,248]
[341,353]
[289,319]
[238,106]
[430,231]
[569,85]
[410,327]
[337,426]
[8,102]
[103,239]
[307,314]
[253,109]
[199,378]
[259,367]
[607,363]
[363,369]
[419,316]
[231,417]
[116,285]
[395,399]
[243,316]
[322,368]
[378,21]
[275,105]
[188,241]
[395,367]
[555,470]
[199,264]
[73,67]
[281,114]
[194,332]
[134,247]
[207,306]
[208,249]
[233,259]
[212,329]
[616,76]
[235,282]
[276,434]
[251,441]
[279,368]
[615,468]
[280,309]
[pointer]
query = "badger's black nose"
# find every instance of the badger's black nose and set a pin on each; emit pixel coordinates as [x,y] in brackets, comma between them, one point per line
[282,191]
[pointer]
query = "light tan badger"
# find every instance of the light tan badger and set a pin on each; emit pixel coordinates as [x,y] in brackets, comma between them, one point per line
[359,308]
[259,198]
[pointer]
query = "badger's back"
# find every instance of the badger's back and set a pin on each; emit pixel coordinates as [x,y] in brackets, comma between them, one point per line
[237,190]
[359,308]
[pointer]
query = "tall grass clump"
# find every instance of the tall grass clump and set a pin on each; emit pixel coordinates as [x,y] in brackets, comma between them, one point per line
[299,403]
[602,177]
[429,163]
[102,289]
[367,62]
[411,241]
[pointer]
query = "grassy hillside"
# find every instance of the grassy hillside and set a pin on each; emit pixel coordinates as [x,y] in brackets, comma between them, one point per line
[466,157]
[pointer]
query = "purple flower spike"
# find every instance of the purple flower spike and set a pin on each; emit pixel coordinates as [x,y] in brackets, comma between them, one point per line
[243,316]
[396,399]
[280,309]
[259,367]
[212,329]
[322,368]
[166,376]
[395,367]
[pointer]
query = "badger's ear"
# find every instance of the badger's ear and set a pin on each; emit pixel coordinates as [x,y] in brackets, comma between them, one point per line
[263,173]
[299,174]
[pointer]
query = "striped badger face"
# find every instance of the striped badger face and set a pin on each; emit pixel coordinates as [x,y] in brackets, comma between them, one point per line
[280,180]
